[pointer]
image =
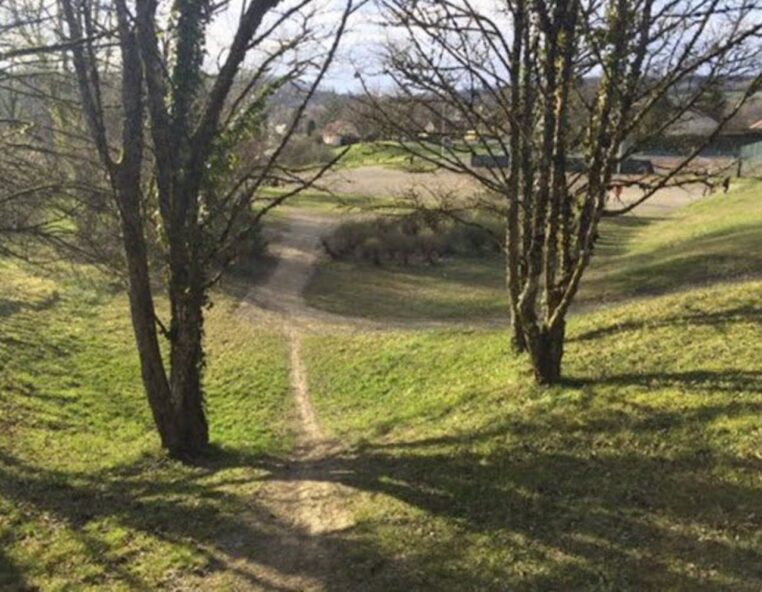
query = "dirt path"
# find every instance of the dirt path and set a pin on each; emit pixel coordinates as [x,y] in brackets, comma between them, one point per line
[298,250]
[298,509]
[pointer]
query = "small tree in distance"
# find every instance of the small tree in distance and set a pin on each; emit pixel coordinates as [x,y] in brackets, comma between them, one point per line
[567,89]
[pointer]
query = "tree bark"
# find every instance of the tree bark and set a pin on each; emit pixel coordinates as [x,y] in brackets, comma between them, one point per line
[143,317]
[187,360]
[546,348]
[513,280]
[518,343]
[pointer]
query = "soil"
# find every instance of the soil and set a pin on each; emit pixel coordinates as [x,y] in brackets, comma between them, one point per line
[377,181]
[298,511]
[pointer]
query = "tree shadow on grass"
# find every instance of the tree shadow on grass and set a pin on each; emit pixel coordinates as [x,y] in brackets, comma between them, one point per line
[10,307]
[720,318]
[622,497]
[233,534]
[11,577]
[620,521]
[633,517]
[695,381]
[617,233]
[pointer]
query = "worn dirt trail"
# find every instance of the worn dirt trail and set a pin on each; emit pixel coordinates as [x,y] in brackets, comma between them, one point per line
[298,250]
[298,512]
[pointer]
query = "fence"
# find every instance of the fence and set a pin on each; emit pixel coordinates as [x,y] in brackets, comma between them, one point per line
[750,161]
[574,164]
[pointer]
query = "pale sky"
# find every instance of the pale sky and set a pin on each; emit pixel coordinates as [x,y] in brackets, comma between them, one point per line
[357,46]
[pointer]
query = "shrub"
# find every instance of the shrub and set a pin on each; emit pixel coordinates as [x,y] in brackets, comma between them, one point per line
[306,151]
[419,237]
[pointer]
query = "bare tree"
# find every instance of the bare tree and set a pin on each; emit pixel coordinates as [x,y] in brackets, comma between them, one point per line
[34,191]
[567,90]
[196,175]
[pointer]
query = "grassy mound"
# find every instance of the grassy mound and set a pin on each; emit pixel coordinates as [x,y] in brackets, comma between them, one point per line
[642,473]
[716,238]
[86,501]
[388,154]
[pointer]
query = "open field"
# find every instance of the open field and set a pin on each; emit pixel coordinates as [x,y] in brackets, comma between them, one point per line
[386,154]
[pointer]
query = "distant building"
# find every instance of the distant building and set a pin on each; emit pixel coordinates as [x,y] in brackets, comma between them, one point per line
[693,123]
[340,133]
[471,137]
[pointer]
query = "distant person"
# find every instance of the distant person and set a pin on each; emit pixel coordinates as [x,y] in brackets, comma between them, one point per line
[726,185]
[616,191]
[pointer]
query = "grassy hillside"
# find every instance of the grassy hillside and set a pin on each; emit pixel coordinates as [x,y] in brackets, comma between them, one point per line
[388,154]
[716,238]
[86,500]
[641,473]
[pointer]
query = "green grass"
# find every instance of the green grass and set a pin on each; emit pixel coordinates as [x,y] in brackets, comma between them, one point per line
[391,154]
[319,201]
[87,502]
[641,473]
[714,239]
[460,289]
[388,154]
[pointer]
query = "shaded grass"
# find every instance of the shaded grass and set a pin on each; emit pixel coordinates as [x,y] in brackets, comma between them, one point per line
[714,239]
[86,499]
[642,472]
[462,288]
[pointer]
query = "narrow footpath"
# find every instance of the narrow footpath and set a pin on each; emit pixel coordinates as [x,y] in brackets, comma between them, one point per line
[298,507]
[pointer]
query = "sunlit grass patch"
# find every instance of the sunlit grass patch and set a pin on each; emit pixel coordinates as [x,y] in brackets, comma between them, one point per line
[640,472]
[87,500]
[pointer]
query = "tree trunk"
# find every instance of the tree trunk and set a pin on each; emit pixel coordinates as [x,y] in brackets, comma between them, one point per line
[143,317]
[514,279]
[176,402]
[187,361]
[546,349]
[518,342]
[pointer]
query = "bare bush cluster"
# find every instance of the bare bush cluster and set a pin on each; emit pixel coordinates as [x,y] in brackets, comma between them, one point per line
[415,238]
